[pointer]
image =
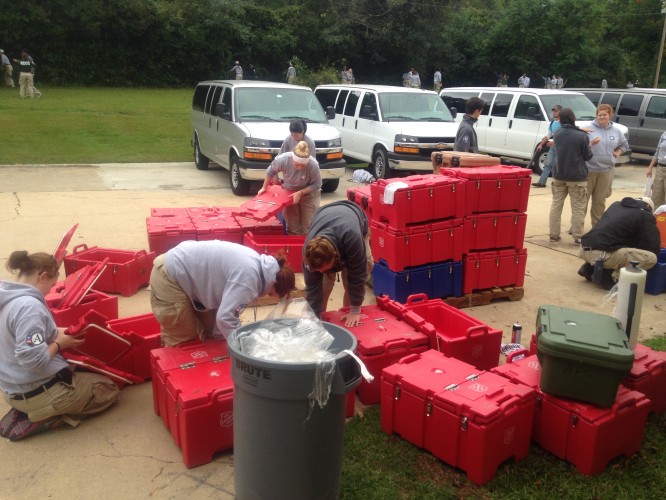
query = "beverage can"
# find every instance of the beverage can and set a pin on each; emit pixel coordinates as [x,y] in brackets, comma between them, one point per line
[516,333]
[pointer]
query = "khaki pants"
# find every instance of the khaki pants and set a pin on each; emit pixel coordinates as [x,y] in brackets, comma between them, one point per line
[620,258]
[599,187]
[299,216]
[438,86]
[659,186]
[9,71]
[577,192]
[178,319]
[26,85]
[89,393]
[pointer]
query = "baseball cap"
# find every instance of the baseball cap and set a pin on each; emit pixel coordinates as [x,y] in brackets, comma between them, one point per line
[648,201]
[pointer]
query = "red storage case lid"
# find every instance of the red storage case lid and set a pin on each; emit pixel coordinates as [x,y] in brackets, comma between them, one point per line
[100,342]
[71,291]
[119,377]
[158,225]
[189,354]
[215,211]
[195,385]
[489,172]
[268,203]
[168,212]
[526,371]
[271,225]
[646,362]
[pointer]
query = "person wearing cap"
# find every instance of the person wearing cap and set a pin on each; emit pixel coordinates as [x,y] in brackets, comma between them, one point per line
[300,174]
[659,181]
[237,70]
[627,231]
[35,379]
[7,69]
[552,152]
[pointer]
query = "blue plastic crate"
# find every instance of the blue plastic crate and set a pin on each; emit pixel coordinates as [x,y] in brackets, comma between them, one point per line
[436,280]
[656,277]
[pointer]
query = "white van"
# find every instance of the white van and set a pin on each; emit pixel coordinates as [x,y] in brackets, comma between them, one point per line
[241,124]
[514,120]
[391,128]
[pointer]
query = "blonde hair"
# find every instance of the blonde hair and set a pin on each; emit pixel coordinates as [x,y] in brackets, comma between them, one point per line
[302,150]
[605,107]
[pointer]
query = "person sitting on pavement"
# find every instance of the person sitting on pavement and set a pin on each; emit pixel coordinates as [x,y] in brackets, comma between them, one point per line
[627,231]
[36,380]
[466,140]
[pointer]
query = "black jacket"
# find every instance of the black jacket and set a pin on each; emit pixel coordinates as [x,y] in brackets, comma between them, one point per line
[625,224]
[573,150]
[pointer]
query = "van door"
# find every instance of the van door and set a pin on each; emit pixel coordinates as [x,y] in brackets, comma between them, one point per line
[652,125]
[627,114]
[222,126]
[349,122]
[207,143]
[498,123]
[368,116]
[524,127]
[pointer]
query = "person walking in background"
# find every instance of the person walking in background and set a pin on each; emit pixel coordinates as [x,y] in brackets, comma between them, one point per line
[521,81]
[252,72]
[569,176]
[659,181]
[608,143]
[291,73]
[301,175]
[237,70]
[405,78]
[26,78]
[552,152]
[437,80]
[466,140]
[7,69]
[604,83]
[350,76]
[414,79]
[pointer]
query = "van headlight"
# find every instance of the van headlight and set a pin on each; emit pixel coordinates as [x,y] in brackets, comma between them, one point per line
[406,144]
[334,143]
[253,142]
[257,149]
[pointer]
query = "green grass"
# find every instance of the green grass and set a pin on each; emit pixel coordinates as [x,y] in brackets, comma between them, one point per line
[95,125]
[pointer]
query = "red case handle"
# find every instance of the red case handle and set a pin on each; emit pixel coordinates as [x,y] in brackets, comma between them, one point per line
[417,297]
[396,345]
[77,248]
[473,329]
[518,352]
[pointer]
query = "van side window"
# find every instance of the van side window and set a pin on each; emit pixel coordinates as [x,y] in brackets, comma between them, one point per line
[501,105]
[527,108]
[630,105]
[199,99]
[226,103]
[352,101]
[369,107]
[488,99]
[327,97]
[594,97]
[656,107]
[610,98]
[208,109]
[458,100]
[340,103]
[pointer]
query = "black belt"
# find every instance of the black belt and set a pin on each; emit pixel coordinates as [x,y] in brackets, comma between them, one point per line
[61,376]
[588,249]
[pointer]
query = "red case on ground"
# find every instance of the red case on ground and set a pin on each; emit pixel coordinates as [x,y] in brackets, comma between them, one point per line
[427,197]
[489,269]
[469,419]
[493,231]
[382,340]
[200,407]
[584,434]
[87,363]
[269,226]
[362,196]
[494,189]
[458,335]
[268,204]
[144,333]
[270,244]
[648,376]
[418,244]
[125,272]
[168,212]
[164,233]
[100,344]
[219,227]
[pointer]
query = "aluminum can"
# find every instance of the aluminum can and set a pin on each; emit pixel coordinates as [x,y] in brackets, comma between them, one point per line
[516,333]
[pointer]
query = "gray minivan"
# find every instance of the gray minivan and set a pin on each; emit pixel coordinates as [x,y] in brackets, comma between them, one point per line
[642,111]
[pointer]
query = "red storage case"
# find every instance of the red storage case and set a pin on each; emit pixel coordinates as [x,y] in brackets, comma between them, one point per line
[220,227]
[168,212]
[144,333]
[418,244]
[268,204]
[164,233]
[270,226]
[291,246]
[426,197]
[362,196]
[100,343]
[483,270]
[89,364]
[458,335]
[200,408]
[648,376]
[469,419]
[493,231]
[125,272]
[584,434]
[215,211]
[494,189]
[382,340]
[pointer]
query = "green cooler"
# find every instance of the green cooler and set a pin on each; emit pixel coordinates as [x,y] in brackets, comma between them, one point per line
[583,355]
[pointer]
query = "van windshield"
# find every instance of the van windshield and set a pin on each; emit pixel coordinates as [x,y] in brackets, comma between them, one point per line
[279,105]
[413,106]
[581,105]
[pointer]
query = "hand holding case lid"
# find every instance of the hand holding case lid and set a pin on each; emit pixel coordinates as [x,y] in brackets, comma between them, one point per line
[583,355]
[268,203]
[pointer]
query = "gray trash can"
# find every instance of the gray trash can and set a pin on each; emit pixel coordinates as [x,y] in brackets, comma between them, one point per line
[280,452]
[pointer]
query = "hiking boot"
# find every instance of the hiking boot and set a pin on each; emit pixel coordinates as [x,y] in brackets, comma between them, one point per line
[607,281]
[538,185]
[586,271]
[553,239]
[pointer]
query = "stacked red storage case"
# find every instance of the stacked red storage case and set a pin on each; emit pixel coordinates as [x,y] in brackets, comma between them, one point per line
[143,332]
[382,340]
[469,419]
[214,211]
[125,272]
[219,227]
[584,434]
[270,244]
[269,226]
[648,376]
[362,196]
[494,231]
[494,269]
[168,212]
[164,233]
[457,334]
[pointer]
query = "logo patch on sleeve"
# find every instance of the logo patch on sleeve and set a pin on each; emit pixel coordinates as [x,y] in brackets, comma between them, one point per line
[239,310]
[34,338]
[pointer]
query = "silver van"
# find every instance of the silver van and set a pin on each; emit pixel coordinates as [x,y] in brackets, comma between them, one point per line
[241,124]
[642,111]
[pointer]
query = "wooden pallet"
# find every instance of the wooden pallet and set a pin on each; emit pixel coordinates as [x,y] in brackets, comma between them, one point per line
[485,297]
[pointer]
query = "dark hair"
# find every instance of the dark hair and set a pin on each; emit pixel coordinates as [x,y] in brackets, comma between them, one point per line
[298,126]
[474,104]
[27,264]
[567,117]
[319,252]
[285,281]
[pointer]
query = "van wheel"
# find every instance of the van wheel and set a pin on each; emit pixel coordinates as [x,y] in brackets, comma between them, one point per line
[540,161]
[380,168]
[329,185]
[239,186]
[200,161]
